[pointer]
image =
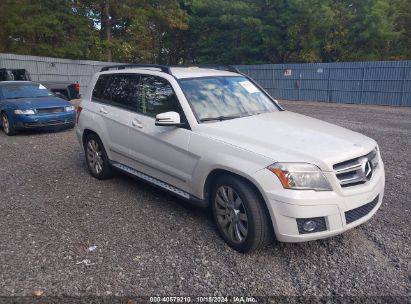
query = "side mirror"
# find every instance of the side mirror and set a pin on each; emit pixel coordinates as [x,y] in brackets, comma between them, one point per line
[168,119]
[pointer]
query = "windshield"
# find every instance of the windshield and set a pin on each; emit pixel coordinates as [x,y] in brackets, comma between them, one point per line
[225,97]
[24,90]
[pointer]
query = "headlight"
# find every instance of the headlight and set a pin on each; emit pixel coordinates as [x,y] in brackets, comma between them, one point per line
[300,176]
[69,108]
[373,156]
[24,112]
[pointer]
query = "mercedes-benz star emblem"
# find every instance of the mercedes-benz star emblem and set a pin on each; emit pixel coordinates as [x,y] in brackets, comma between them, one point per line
[366,168]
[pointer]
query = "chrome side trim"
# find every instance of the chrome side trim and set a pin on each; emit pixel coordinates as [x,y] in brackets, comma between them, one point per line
[151,180]
[145,164]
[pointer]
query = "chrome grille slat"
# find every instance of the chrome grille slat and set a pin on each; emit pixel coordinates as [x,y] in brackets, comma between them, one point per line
[350,180]
[348,169]
[352,172]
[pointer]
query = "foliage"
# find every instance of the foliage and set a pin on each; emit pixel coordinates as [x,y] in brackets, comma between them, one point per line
[208,31]
[47,28]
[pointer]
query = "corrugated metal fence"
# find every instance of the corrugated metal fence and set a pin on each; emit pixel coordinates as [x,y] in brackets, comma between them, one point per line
[54,69]
[375,82]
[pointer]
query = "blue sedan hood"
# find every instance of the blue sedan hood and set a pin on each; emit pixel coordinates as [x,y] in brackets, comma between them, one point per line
[38,102]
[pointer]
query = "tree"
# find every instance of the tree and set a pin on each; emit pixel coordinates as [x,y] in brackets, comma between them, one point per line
[135,30]
[403,25]
[46,28]
[208,31]
[361,30]
[222,31]
[289,30]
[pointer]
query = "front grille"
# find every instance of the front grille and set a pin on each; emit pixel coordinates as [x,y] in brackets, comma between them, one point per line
[50,110]
[357,213]
[48,123]
[319,221]
[354,171]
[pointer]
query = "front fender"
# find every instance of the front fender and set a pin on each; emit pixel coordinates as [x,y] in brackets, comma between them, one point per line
[223,157]
[9,110]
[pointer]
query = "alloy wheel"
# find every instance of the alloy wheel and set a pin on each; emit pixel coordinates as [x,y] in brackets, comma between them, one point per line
[231,214]
[6,124]
[94,156]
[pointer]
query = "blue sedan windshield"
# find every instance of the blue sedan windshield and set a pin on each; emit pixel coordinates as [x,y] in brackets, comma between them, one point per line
[23,90]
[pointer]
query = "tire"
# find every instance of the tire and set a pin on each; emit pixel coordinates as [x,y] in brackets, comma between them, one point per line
[96,157]
[236,204]
[6,124]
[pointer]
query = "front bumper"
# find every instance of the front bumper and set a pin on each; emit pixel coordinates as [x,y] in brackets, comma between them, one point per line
[22,122]
[342,209]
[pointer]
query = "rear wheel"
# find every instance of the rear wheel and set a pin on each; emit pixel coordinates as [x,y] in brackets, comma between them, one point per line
[96,157]
[240,215]
[7,125]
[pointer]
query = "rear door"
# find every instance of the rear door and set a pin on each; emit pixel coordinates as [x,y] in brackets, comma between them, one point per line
[114,98]
[158,151]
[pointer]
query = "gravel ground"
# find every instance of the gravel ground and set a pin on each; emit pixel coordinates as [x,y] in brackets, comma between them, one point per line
[150,243]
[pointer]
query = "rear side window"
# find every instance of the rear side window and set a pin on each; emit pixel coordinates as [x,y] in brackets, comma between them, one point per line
[119,90]
[156,96]
[98,91]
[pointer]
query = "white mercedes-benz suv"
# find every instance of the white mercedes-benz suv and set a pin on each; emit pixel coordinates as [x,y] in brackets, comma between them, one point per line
[212,136]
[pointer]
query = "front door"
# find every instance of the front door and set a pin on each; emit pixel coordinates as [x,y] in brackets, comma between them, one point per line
[160,152]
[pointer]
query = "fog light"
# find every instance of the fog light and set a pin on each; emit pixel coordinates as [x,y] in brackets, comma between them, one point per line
[309,226]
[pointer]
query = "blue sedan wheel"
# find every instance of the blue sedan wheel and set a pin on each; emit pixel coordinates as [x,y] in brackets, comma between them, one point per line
[7,127]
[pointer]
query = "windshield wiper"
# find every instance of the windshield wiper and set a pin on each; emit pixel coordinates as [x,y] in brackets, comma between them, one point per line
[220,118]
[21,97]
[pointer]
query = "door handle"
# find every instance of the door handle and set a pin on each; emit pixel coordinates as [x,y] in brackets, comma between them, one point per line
[136,123]
[104,111]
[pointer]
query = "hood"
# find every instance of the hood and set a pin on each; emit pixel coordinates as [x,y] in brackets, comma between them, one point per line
[38,103]
[289,137]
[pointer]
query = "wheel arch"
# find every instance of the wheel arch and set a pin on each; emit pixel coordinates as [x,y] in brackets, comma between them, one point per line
[5,111]
[86,133]
[215,173]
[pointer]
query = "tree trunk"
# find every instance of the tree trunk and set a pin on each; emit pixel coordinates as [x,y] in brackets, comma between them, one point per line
[106,27]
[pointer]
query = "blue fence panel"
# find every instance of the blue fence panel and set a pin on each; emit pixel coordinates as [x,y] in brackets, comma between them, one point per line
[374,82]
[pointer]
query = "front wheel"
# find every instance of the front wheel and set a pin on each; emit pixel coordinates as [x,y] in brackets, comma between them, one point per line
[96,157]
[240,215]
[7,125]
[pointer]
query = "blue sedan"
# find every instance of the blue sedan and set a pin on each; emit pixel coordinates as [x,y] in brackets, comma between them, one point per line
[29,105]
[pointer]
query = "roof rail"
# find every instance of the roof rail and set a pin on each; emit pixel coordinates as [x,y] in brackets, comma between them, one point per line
[163,68]
[222,67]
[167,69]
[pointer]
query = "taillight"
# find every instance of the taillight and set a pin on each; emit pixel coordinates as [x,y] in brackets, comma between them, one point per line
[77,87]
[78,113]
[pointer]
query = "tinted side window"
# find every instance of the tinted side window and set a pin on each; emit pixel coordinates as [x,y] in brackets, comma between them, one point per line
[157,96]
[98,91]
[119,90]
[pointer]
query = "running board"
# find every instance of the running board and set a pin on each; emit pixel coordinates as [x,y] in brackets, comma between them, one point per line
[152,180]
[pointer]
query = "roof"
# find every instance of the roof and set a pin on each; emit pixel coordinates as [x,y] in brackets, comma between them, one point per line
[176,71]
